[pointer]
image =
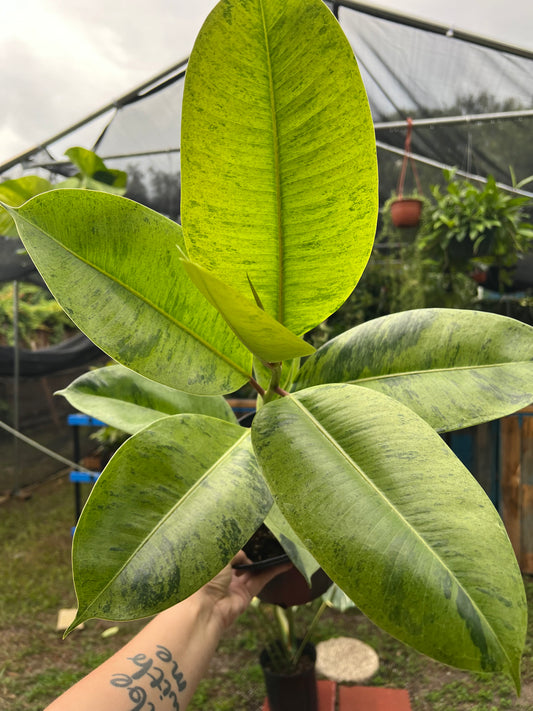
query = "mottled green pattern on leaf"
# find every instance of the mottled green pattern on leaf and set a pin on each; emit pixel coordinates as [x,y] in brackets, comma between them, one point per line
[279,178]
[16,192]
[114,267]
[124,399]
[174,505]
[265,337]
[454,368]
[299,555]
[415,541]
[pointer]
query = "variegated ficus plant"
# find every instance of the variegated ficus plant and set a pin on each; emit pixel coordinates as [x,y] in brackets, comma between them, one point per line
[344,459]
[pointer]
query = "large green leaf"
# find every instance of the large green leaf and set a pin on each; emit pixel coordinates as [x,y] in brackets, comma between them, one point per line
[278,157]
[124,399]
[454,368]
[15,192]
[397,522]
[174,505]
[297,552]
[265,337]
[93,175]
[114,267]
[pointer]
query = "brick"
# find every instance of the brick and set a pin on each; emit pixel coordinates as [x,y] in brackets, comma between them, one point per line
[373,698]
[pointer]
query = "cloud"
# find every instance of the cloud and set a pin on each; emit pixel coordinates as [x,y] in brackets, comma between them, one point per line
[63,60]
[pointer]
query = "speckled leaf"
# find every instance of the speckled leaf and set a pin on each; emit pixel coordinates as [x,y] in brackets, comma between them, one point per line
[279,178]
[124,399]
[15,192]
[173,506]
[114,267]
[454,368]
[397,522]
[265,337]
[297,552]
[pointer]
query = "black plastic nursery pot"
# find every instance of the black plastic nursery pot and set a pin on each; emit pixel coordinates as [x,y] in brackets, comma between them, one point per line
[289,588]
[264,550]
[291,692]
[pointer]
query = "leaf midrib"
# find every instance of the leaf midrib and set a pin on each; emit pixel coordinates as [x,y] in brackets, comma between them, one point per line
[435,371]
[141,298]
[277,172]
[336,445]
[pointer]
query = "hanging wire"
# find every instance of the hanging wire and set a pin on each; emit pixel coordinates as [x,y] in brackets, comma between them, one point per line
[45,450]
[408,159]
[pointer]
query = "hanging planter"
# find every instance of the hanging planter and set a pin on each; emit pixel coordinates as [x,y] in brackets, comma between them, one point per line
[407,211]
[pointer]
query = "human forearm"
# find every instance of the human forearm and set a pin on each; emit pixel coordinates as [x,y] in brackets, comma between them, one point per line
[159,668]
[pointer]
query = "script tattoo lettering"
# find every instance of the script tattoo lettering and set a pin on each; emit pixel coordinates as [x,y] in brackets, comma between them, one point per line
[136,694]
[158,679]
[164,655]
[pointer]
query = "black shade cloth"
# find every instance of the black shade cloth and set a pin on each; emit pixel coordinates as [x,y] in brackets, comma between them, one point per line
[15,264]
[75,351]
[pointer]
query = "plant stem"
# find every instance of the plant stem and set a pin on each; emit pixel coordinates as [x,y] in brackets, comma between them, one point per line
[277,649]
[255,385]
[281,392]
[274,389]
[296,656]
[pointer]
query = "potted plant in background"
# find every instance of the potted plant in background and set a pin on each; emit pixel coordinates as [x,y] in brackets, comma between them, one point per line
[288,661]
[480,226]
[406,210]
[279,204]
[399,214]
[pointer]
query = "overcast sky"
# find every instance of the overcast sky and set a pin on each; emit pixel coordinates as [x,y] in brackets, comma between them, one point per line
[64,59]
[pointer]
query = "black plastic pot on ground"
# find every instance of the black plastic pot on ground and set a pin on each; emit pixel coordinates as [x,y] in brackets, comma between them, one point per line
[291,692]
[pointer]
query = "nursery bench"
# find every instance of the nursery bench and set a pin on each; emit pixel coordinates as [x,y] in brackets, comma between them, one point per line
[358,698]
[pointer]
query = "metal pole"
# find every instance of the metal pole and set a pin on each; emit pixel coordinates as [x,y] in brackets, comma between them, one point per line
[16,382]
[449,120]
[436,28]
[127,98]
[442,166]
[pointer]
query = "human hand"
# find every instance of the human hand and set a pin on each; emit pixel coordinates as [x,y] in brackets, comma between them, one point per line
[232,590]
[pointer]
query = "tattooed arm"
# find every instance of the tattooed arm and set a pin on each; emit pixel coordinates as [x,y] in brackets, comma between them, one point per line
[159,669]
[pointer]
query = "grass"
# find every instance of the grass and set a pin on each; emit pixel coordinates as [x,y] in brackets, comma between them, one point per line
[36,665]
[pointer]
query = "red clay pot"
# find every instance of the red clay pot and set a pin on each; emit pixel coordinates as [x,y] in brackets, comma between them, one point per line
[406,212]
[291,588]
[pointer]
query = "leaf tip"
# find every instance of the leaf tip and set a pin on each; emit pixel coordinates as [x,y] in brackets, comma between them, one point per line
[78,620]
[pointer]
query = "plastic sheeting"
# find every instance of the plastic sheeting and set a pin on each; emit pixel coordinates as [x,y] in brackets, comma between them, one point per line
[409,70]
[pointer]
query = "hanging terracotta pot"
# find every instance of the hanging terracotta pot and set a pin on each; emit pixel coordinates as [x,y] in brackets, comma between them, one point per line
[406,212]
[295,691]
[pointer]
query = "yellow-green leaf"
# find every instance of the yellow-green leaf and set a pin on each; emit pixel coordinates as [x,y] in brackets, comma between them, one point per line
[261,334]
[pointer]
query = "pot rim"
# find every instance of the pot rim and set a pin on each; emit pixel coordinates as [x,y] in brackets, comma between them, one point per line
[267,563]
